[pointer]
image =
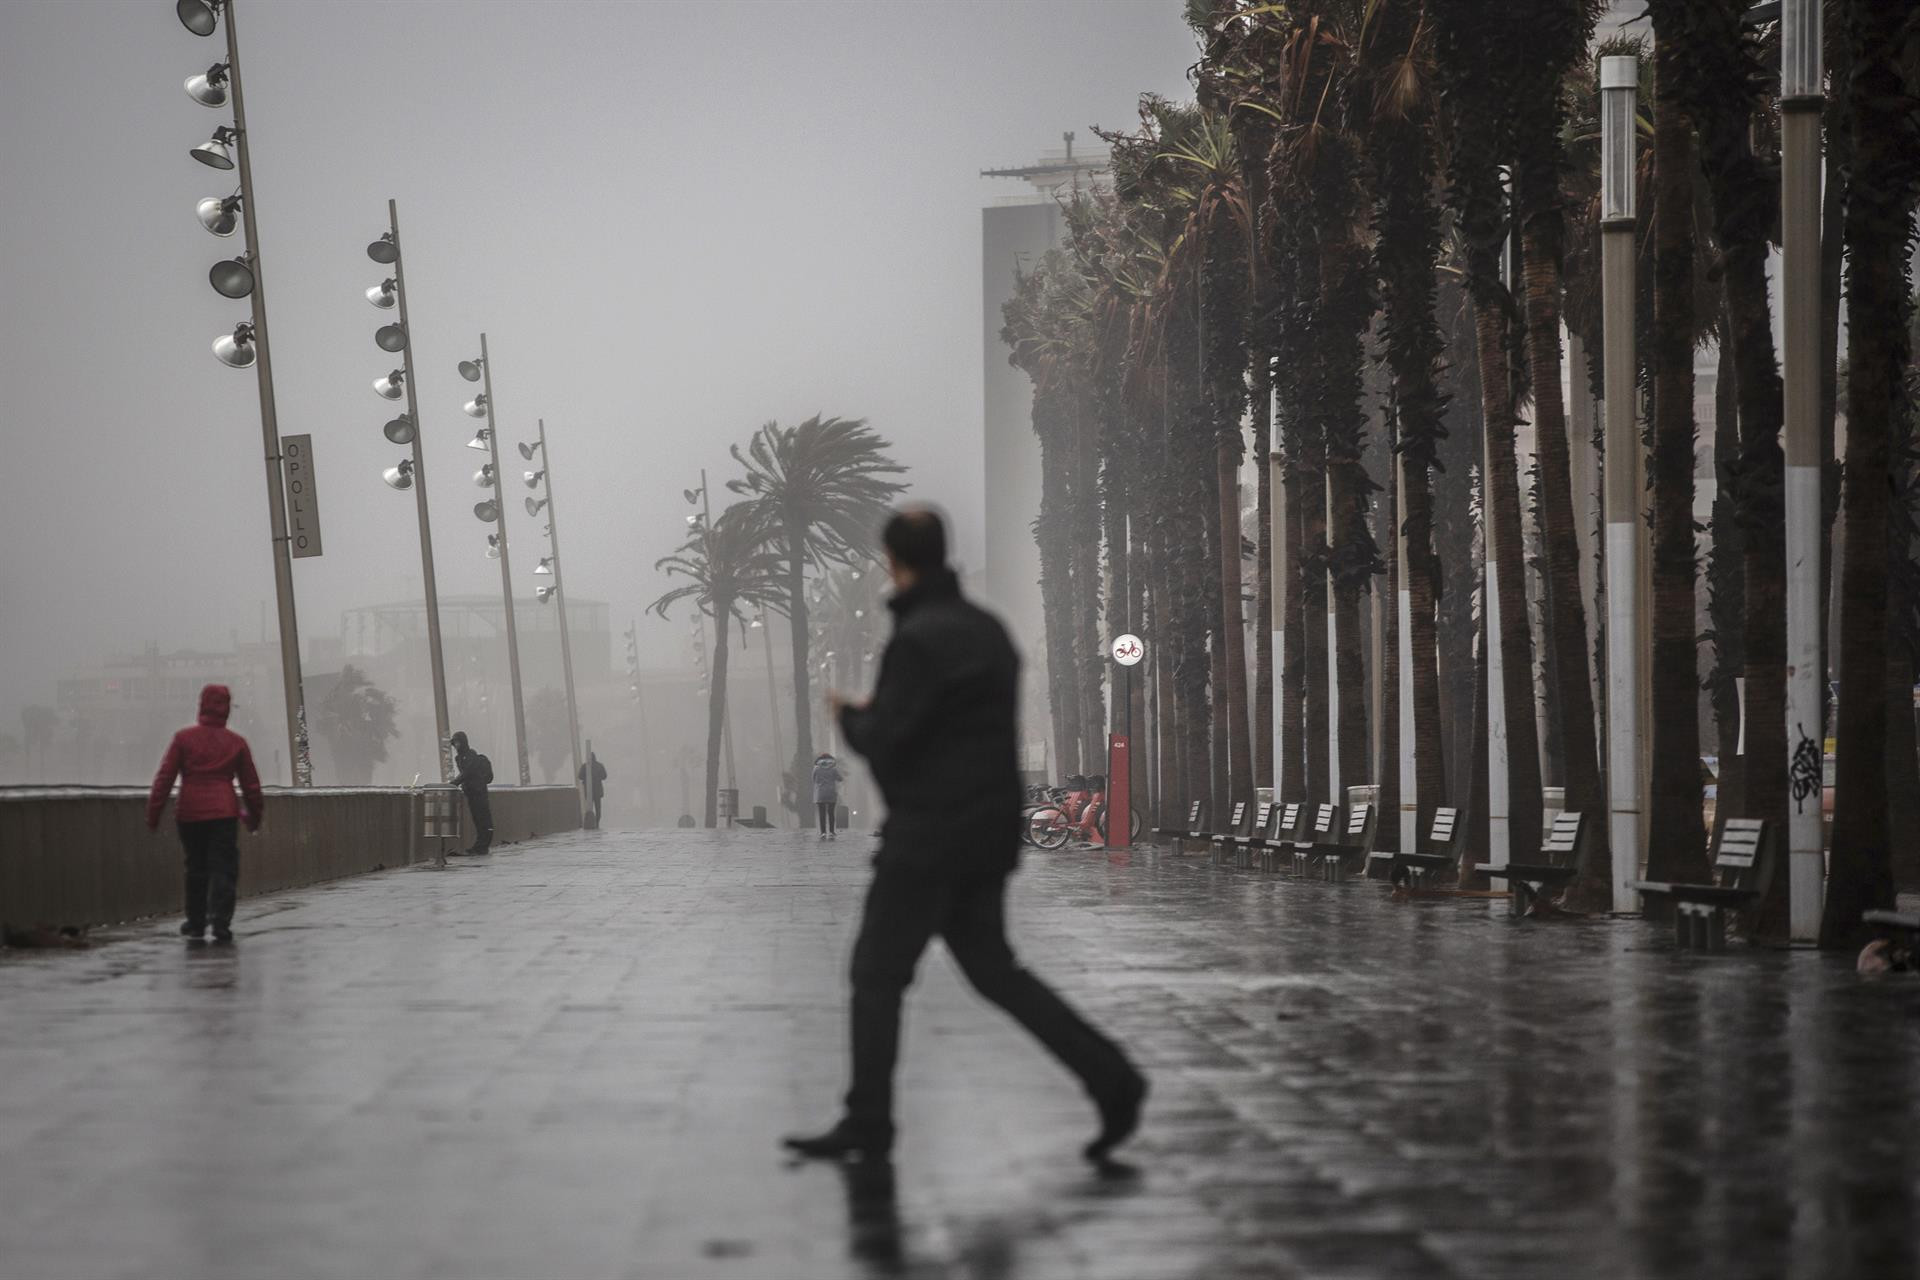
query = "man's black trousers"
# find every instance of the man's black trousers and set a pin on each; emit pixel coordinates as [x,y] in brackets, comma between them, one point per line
[906,908]
[213,871]
[482,810]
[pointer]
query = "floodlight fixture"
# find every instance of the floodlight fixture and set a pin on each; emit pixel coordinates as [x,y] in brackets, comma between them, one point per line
[545,565]
[390,337]
[399,476]
[202,17]
[532,478]
[480,441]
[217,152]
[484,476]
[544,594]
[236,350]
[382,295]
[470,370]
[526,450]
[534,505]
[209,88]
[232,278]
[221,217]
[391,386]
[384,251]
[401,430]
[476,407]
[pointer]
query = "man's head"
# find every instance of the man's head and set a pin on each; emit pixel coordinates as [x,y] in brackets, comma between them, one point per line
[916,543]
[459,744]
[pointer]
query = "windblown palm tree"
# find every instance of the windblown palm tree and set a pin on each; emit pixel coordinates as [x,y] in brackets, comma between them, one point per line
[356,719]
[816,493]
[726,567]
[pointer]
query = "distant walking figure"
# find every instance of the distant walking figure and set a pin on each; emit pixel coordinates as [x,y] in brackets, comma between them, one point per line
[940,735]
[209,758]
[593,776]
[826,791]
[472,774]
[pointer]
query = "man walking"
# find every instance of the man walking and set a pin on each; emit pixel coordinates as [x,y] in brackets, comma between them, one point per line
[209,758]
[472,773]
[593,776]
[940,736]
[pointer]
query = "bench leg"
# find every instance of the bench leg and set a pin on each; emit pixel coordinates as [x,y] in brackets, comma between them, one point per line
[1299,865]
[1521,895]
[1713,928]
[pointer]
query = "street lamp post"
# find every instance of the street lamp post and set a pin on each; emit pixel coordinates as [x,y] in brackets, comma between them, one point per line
[387,252]
[1801,105]
[1619,85]
[201,17]
[559,588]
[483,370]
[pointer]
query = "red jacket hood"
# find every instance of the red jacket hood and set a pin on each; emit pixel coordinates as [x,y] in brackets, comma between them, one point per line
[216,700]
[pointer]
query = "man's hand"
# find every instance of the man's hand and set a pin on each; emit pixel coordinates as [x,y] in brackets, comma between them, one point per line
[838,702]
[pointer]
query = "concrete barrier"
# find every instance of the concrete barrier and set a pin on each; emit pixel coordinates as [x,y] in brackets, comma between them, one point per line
[74,856]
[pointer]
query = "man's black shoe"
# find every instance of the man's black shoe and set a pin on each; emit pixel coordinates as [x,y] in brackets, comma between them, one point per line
[1119,1117]
[189,929]
[840,1142]
[222,936]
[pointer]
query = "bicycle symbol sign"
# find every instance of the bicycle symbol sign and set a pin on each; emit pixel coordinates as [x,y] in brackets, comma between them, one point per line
[1128,650]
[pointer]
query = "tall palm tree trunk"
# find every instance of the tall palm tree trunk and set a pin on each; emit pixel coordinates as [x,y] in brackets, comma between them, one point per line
[1676,825]
[1232,624]
[1263,569]
[717,705]
[1386,753]
[1219,690]
[1312,532]
[1501,500]
[797,637]
[1293,643]
[1879,212]
[1350,661]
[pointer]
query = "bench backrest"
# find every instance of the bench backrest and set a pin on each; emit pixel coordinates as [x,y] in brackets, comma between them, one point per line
[1745,856]
[1360,826]
[1290,818]
[1195,812]
[1236,816]
[1562,845]
[1326,821]
[1263,817]
[1445,821]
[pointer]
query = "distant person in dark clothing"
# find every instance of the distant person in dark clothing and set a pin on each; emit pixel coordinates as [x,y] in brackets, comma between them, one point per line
[209,758]
[826,792]
[940,735]
[472,773]
[593,776]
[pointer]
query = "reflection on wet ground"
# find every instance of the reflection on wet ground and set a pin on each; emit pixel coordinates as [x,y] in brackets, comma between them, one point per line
[574,1058]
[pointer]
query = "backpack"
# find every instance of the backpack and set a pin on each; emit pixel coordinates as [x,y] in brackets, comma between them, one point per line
[479,770]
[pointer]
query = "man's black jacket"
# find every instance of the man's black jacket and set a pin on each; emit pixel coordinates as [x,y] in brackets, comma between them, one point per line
[941,732]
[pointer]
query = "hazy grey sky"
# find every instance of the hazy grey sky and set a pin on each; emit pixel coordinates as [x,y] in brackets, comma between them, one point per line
[674,221]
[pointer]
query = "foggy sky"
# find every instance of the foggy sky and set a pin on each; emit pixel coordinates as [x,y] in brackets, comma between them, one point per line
[674,221]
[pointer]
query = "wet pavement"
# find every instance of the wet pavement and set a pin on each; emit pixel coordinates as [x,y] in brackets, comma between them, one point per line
[574,1058]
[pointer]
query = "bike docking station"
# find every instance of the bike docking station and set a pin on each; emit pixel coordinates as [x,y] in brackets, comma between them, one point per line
[1127,651]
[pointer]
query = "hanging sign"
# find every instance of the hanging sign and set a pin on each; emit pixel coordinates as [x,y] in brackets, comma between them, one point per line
[1128,650]
[303,504]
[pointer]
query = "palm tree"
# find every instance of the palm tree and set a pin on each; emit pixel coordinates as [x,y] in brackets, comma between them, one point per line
[356,718]
[1556,38]
[817,493]
[1477,61]
[726,566]
[1880,201]
[1676,849]
[1404,141]
[1723,83]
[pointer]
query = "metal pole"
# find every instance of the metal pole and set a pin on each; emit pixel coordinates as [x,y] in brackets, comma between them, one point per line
[506,568]
[1800,119]
[441,727]
[1409,779]
[1619,82]
[773,711]
[720,630]
[1276,569]
[300,763]
[560,598]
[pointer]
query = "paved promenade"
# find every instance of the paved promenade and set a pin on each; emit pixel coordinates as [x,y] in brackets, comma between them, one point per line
[574,1058]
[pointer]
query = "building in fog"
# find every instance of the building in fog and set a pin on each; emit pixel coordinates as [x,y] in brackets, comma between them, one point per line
[1015,231]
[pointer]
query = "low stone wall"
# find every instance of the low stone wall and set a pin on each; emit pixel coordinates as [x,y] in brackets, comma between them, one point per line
[83,856]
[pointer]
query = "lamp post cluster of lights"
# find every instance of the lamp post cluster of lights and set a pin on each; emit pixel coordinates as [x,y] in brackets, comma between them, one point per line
[493,510]
[246,347]
[555,589]
[410,472]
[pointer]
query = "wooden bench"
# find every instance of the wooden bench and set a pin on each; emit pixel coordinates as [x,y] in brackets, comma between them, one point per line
[1900,922]
[1287,826]
[1744,860]
[1412,869]
[1565,845]
[1323,828]
[1352,846]
[1237,849]
[1236,822]
[1192,831]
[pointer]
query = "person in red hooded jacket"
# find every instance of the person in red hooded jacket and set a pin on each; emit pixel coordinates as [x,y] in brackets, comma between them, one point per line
[209,758]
